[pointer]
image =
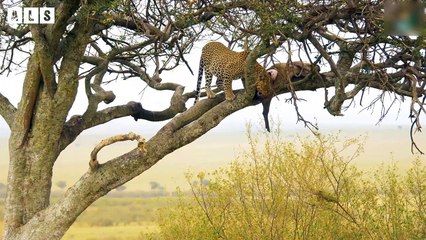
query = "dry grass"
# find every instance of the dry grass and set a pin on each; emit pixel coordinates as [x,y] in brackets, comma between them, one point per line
[115,219]
[125,232]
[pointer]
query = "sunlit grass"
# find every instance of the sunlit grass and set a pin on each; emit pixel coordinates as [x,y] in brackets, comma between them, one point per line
[115,219]
[121,211]
[1,228]
[125,232]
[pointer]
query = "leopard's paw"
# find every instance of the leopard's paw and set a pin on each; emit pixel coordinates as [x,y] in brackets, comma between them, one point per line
[230,97]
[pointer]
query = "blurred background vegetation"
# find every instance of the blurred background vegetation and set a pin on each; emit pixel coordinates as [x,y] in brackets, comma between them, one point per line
[276,189]
[282,190]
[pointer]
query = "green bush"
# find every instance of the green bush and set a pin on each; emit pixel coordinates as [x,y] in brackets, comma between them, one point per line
[300,191]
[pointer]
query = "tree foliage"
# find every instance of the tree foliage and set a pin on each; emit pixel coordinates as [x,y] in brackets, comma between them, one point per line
[124,39]
[300,190]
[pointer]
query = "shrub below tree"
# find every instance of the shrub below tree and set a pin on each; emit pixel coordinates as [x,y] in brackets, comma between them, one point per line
[309,190]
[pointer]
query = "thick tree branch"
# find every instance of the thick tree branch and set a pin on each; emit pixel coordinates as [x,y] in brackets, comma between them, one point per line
[7,110]
[252,67]
[5,29]
[78,123]
[177,105]
[63,12]
[25,111]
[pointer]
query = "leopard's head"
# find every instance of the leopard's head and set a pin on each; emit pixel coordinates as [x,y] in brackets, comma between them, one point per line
[281,72]
[264,84]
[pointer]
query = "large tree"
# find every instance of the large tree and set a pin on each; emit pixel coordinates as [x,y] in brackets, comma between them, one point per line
[144,39]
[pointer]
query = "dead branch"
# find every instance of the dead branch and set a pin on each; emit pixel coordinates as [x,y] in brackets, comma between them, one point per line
[94,164]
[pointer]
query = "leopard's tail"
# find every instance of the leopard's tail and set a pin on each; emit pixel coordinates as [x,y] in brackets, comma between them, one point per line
[200,77]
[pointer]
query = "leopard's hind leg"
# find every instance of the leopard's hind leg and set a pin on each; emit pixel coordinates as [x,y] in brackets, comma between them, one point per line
[209,76]
[219,83]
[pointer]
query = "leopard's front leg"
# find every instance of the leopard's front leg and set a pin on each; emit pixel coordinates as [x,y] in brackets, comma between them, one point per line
[227,85]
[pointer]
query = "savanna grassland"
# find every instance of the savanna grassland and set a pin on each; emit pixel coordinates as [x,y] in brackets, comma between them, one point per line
[118,218]
[114,218]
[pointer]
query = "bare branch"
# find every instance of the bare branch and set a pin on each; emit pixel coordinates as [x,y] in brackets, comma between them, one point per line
[78,123]
[7,30]
[94,164]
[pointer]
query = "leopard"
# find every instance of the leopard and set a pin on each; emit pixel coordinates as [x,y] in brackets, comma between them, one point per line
[283,73]
[228,65]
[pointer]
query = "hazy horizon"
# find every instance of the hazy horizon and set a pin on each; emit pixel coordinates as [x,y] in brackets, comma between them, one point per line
[217,149]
